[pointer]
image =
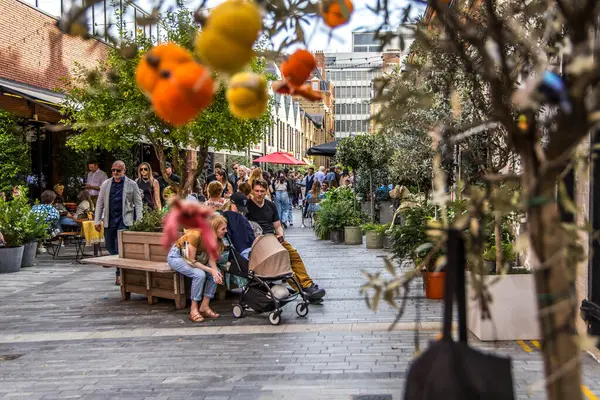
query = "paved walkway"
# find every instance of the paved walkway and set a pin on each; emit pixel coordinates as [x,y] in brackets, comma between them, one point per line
[65,333]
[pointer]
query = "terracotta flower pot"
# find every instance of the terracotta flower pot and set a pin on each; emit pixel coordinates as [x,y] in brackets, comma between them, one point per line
[434,285]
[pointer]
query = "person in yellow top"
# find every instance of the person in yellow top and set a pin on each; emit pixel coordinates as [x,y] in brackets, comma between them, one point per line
[187,256]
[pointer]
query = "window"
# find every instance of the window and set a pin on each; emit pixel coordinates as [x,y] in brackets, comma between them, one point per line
[99,20]
[315,85]
[354,88]
[364,38]
[353,110]
[343,126]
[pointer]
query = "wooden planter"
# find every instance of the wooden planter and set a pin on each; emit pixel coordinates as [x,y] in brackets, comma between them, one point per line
[513,309]
[163,283]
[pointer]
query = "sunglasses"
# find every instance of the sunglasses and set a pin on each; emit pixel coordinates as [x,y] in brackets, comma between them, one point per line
[143,169]
[116,170]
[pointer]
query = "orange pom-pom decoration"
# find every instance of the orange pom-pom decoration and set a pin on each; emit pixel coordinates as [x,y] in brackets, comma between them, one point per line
[298,67]
[164,57]
[180,95]
[333,14]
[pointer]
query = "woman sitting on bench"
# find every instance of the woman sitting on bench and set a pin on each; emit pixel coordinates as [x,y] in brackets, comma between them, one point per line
[187,256]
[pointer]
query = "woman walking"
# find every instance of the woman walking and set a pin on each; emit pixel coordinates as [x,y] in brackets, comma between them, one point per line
[149,186]
[282,199]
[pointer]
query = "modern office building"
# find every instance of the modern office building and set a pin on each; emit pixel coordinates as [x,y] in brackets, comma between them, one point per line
[352,74]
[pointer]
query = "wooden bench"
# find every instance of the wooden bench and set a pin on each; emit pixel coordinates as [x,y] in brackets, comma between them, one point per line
[153,279]
[144,269]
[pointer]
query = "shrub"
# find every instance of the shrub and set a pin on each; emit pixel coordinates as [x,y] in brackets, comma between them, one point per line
[152,221]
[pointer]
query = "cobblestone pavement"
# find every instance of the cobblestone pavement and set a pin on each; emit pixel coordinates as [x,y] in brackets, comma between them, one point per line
[67,334]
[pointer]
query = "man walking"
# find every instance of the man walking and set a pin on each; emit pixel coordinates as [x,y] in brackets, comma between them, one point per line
[118,201]
[308,181]
[233,176]
[94,180]
[264,213]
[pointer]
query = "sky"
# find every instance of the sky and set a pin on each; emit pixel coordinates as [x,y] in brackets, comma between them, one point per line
[318,35]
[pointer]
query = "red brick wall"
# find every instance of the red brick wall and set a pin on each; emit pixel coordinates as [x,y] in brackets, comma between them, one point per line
[34,51]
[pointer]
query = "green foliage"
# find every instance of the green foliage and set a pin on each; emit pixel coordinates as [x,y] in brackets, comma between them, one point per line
[13,216]
[372,227]
[363,151]
[410,240]
[109,112]
[151,222]
[508,253]
[332,216]
[15,161]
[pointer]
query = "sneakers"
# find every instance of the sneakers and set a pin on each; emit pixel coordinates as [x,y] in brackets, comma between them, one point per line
[314,292]
[284,225]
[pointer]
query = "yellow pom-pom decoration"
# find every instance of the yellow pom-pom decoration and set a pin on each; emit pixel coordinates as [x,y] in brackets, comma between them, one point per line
[226,40]
[247,95]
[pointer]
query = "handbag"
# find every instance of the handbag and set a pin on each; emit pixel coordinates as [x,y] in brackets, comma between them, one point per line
[452,370]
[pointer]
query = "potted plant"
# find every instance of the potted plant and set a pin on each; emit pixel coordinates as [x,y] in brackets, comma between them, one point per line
[410,242]
[352,230]
[144,233]
[34,230]
[330,219]
[374,235]
[508,257]
[11,226]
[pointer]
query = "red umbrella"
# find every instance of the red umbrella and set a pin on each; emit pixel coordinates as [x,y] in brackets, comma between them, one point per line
[279,157]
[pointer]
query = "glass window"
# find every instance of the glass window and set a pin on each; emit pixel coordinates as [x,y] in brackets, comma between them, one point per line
[353,109]
[354,88]
[315,85]
[51,7]
[113,16]
[99,20]
[364,38]
[343,126]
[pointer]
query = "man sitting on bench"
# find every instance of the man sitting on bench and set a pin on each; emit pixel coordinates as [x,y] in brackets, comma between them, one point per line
[264,213]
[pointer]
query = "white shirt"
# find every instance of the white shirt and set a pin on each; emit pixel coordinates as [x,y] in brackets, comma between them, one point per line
[96,179]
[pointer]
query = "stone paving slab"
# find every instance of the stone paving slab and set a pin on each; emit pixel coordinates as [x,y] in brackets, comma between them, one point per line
[312,365]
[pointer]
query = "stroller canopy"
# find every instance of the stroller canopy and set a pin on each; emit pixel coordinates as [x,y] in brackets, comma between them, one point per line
[269,259]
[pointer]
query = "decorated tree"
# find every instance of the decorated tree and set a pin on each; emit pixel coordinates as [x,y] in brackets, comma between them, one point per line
[535,63]
[107,109]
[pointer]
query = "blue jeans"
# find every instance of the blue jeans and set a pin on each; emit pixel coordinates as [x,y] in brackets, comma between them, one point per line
[66,221]
[199,276]
[282,201]
[290,209]
[111,240]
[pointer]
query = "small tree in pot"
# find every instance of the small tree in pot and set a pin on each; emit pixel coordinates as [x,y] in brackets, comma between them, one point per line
[11,226]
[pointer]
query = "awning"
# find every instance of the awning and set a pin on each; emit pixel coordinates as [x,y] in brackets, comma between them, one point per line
[279,157]
[325,149]
[43,97]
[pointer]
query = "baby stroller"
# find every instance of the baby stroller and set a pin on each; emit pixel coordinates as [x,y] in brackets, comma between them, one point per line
[269,262]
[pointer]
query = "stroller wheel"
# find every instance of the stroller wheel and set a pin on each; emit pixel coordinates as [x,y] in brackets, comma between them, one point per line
[274,318]
[302,309]
[238,311]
